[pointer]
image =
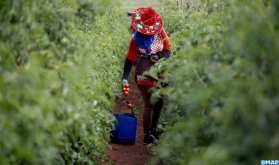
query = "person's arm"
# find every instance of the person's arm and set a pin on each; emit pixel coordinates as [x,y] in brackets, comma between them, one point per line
[127,69]
[130,59]
[166,43]
[166,55]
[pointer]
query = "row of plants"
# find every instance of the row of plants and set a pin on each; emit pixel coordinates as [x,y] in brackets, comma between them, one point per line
[59,73]
[222,101]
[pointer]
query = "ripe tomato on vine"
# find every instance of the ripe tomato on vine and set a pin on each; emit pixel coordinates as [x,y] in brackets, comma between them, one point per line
[126,93]
[126,90]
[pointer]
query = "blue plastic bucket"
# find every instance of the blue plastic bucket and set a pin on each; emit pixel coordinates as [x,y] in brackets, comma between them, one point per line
[125,127]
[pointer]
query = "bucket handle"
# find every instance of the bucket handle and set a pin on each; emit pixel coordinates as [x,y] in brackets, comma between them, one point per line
[122,106]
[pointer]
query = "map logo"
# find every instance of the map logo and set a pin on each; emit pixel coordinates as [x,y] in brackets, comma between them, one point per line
[269,162]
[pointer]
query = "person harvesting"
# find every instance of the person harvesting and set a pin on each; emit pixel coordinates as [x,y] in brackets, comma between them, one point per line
[149,44]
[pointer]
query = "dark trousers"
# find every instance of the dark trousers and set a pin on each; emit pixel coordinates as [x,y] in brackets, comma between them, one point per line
[152,108]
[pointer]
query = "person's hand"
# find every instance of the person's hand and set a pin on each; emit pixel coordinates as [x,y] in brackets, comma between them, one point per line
[124,82]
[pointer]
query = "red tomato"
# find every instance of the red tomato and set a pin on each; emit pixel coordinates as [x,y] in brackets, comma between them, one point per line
[124,89]
[126,93]
[129,105]
[127,89]
[126,85]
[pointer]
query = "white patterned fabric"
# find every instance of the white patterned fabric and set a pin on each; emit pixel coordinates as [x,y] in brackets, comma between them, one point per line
[157,45]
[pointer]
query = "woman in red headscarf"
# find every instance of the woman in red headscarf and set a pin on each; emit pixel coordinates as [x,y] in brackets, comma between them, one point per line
[149,43]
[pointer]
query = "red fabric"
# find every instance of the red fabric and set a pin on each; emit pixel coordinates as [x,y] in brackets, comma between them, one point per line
[166,41]
[150,17]
[146,21]
[133,52]
[148,83]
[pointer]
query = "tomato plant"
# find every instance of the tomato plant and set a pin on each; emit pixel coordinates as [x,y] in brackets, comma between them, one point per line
[55,95]
[222,83]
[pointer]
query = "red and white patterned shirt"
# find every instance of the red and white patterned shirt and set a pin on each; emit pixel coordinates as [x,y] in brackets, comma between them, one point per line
[157,45]
[161,42]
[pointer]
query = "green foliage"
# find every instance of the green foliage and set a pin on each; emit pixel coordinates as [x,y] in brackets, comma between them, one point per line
[59,70]
[223,104]
[132,5]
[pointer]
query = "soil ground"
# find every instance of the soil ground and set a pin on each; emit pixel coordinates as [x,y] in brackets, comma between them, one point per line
[137,154]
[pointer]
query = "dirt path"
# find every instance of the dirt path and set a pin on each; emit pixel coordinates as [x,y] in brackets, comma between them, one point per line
[138,153]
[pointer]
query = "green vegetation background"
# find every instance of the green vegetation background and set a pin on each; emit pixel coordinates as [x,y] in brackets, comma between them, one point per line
[223,103]
[61,64]
[132,5]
